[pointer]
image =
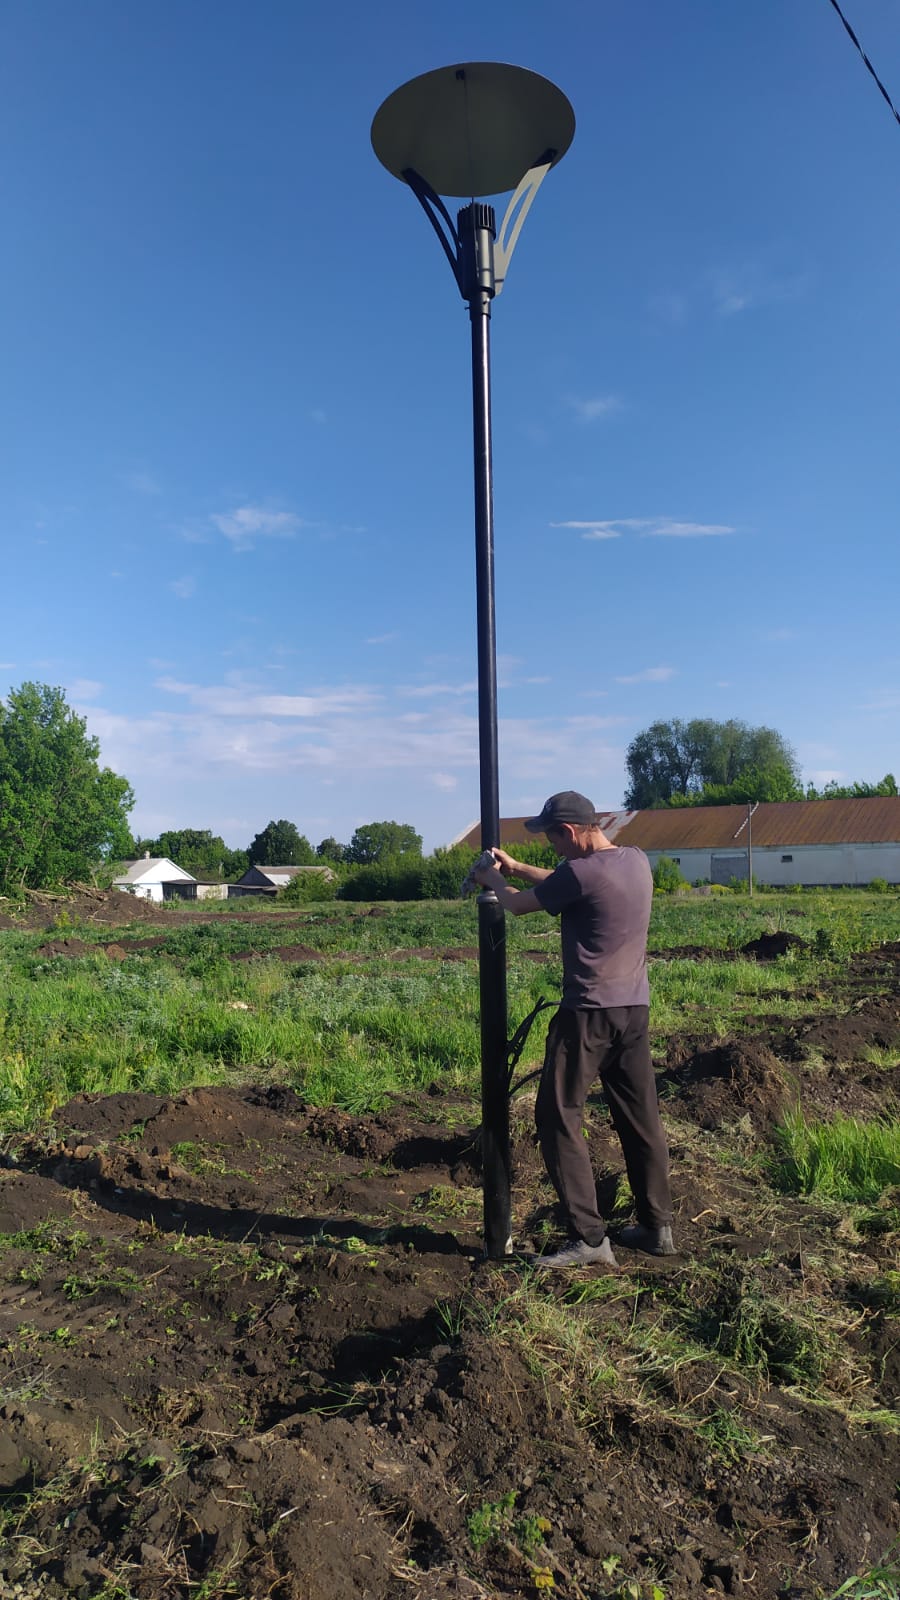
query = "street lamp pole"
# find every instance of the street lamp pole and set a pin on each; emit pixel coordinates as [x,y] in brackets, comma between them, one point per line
[480,129]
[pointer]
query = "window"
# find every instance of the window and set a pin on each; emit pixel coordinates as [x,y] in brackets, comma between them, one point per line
[787,858]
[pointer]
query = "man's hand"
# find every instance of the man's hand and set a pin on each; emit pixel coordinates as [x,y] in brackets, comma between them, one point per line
[505,862]
[487,870]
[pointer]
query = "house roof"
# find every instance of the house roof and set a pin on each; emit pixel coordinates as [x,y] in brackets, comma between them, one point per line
[514,831]
[875,820]
[159,869]
[274,874]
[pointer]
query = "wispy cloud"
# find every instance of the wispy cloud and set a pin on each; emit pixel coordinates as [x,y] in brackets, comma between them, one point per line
[337,732]
[83,689]
[749,285]
[669,306]
[225,700]
[885,700]
[142,483]
[381,638]
[593,530]
[649,675]
[646,528]
[184,588]
[594,408]
[243,526]
[424,691]
[666,529]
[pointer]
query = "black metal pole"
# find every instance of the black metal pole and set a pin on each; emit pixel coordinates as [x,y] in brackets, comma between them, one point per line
[476,245]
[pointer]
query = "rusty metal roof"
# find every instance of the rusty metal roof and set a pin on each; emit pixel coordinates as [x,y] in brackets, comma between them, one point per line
[514,831]
[875,820]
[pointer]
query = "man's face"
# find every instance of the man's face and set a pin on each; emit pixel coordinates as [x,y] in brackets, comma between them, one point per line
[562,840]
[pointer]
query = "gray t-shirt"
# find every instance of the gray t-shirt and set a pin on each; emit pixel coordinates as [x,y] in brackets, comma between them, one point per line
[604,901]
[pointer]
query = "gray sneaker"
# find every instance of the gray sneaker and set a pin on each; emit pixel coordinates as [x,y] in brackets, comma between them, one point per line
[653,1241]
[580,1254]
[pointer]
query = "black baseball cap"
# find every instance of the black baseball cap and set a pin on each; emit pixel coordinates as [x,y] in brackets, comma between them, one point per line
[567,806]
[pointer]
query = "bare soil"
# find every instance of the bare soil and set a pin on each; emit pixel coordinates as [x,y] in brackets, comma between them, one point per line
[251,1347]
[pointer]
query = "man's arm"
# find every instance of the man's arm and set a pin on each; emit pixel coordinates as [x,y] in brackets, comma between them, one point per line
[520,869]
[518,902]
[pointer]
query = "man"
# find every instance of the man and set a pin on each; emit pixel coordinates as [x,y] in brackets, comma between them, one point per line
[603,894]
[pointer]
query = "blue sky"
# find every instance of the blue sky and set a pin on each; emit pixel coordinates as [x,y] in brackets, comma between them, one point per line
[235,428]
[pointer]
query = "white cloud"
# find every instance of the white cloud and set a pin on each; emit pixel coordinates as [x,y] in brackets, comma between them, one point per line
[752,284]
[591,410]
[184,588]
[646,528]
[445,781]
[666,529]
[819,776]
[649,675]
[593,530]
[426,690]
[83,689]
[246,524]
[225,700]
[381,638]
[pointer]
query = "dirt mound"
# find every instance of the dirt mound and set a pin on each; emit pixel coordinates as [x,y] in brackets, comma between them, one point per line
[249,1346]
[873,1021]
[769,946]
[108,907]
[719,1083]
[282,952]
[66,947]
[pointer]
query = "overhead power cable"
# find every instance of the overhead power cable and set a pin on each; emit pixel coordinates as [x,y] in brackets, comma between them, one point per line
[894,111]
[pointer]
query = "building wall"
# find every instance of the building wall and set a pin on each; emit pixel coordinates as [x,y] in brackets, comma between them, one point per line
[824,865]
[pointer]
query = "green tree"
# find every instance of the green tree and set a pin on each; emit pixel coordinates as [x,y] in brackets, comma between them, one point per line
[198,851]
[380,841]
[330,850]
[674,761]
[778,782]
[61,813]
[281,845]
[853,791]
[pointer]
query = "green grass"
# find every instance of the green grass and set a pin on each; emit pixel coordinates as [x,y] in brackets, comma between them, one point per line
[838,1160]
[360,1023]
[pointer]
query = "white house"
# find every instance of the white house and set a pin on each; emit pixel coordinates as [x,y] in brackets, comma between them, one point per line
[148,878]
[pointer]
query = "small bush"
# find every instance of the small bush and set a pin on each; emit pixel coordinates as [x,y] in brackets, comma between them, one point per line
[879,886]
[315,883]
[397,879]
[443,873]
[667,876]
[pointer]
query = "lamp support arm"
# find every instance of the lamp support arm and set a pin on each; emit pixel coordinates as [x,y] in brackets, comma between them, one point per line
[439,217]
[516,212]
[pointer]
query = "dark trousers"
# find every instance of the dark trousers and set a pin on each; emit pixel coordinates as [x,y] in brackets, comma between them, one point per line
[612,1044]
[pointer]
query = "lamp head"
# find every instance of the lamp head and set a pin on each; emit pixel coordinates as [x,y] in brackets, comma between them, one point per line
[474,129]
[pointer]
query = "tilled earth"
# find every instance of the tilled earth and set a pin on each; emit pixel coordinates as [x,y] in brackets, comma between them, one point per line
[250,1347]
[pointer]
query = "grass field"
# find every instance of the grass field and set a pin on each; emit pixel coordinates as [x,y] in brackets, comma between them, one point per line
[243,1303]
[356,1019]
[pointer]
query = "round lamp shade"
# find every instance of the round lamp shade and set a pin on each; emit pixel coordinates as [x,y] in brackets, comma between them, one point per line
[474,129]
